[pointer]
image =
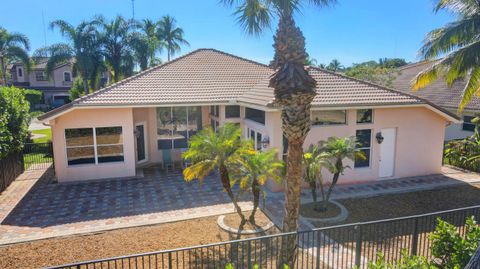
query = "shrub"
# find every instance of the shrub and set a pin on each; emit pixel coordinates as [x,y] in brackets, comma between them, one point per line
[77,90]
[33,97]
[14,119]
[406,262]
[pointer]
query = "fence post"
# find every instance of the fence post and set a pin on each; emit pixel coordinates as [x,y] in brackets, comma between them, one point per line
[249,254]
[358,245]
[415,237]
[170,260]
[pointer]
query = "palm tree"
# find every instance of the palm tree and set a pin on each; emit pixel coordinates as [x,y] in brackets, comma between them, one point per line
[294,90]
[13,46]
[460,42]
[252,169]
[116,49]
[83,46]
[208,151]
[335,65]
[314,160]
[171,35]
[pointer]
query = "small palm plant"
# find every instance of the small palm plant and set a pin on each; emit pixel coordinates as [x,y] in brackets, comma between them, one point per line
[251,169]
[209,151]
[314,160]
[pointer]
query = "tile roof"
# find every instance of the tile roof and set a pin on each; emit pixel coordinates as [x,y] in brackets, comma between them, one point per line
[211,76]
[438,92]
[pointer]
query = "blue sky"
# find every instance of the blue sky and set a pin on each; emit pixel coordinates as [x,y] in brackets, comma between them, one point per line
[352,31]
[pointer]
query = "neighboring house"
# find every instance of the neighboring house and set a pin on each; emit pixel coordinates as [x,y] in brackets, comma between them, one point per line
[148,119]
[55,89]
[443,96]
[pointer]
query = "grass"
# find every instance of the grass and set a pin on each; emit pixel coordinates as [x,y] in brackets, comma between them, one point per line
[36,158]
[47,135]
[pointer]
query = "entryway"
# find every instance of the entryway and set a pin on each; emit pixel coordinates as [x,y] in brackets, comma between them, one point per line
[141,138]
[387,152]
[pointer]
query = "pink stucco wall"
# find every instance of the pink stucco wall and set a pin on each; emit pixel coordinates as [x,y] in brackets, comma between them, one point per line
[82,118]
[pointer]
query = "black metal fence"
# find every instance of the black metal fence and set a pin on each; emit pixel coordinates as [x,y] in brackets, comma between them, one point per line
[343,246]
[10,167]
[37,155]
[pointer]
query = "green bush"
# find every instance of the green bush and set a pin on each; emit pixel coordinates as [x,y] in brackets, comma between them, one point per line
[465,153]
[34,97]
[406,262]
[450,248]
[14,119]
[77,90]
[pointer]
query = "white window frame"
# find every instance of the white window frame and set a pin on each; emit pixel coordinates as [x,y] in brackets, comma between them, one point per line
[44,75]
[20,72]
[67,72]
[255,142]
[365,123]
[329,125]
[188,130]
[369,148]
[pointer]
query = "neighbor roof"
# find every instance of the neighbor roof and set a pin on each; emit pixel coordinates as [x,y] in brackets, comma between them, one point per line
[208,76]
[438,92]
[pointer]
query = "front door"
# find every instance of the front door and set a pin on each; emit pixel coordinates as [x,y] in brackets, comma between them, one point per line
[141,145]
[387,152]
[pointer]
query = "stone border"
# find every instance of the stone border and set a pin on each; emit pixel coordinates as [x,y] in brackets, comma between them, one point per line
[221,224]
[339,218]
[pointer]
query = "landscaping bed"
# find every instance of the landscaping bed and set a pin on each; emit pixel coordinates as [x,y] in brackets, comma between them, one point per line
[71,249]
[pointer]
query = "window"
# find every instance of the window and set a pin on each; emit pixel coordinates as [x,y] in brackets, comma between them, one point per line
[256,138]
[364,138]
[255,115]
[467,124]
[20,72]
[67,76]
[40,76]
[328,117]
[82,148]
[215,111]
[175,125]
[232,111]
[364,116]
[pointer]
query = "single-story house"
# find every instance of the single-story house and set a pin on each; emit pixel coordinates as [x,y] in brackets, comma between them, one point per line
[148,119]
[441,95]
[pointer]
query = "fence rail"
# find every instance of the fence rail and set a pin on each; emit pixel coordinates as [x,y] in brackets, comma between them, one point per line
[10,167]
[342,246]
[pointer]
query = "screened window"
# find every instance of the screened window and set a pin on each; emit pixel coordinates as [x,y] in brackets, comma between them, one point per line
[232,111]
[255,115]
[364,116]
[364,140]
[175,125]
[215,111]
[82,148]
[329,117]
[67,77]
[20,72]
[467,124]
[40,76]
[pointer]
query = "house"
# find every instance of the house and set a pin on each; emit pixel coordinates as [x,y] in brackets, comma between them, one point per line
[148,118]
[55,89]
[443,96]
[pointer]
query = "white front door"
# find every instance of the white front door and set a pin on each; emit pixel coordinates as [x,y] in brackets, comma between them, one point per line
[387,152]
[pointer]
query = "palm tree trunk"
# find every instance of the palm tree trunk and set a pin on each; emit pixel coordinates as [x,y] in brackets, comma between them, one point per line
[228,189]
[4,71]
[168,54]
[474,262]
[85,85]
[256,199]
[294,92]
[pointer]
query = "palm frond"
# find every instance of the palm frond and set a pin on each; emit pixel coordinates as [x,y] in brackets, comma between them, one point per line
[471,89]
[462,7]
[19,53]
[65,28]
[19,39]
[254,16]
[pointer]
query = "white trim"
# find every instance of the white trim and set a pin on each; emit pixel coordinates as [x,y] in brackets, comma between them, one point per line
[145,137]
[71,79]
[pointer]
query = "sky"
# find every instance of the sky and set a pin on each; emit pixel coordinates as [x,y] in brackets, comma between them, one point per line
[352,31]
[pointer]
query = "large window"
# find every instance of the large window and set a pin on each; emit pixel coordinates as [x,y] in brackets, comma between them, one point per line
[232,111]
[364,116]
[329,117]
[40,76]
[256,138]
[175,125]
[467,124]
[94,145]
[364,141]
[255,115]
[215,111]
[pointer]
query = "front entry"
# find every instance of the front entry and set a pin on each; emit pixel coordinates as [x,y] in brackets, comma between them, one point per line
[140,134]
[387,152]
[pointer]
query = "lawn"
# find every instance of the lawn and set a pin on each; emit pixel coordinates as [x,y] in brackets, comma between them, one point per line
[47,133]
[71,249]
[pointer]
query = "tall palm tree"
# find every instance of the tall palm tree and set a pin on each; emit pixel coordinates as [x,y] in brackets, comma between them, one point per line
[460,42]
[13,47]
[208,151]
[83,46]
[335,65]
[294,90]
[171,35]
[114,38]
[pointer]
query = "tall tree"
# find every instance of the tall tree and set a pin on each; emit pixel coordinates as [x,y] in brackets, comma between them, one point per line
[13,47]
[116,49]
[460,42]
[171,35]
[335,65]
[294,90]
[83,45]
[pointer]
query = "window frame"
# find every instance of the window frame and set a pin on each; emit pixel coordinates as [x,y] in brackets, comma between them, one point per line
[356,116]
[188,108]
[468,126]
[44,76]
[70,75]
[325,125]
[234,117]
[94,145]
[364,148]
[20,72]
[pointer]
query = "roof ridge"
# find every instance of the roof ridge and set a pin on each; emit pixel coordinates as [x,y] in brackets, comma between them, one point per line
[237,57]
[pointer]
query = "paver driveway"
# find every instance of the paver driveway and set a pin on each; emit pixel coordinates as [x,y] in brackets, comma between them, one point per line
[50,210]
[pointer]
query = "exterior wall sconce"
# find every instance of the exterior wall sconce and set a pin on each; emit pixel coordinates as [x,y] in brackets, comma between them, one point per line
[265,142]
[379,137]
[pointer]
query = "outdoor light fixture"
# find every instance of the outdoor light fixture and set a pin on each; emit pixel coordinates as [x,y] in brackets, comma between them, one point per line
[265,142]
[379,137]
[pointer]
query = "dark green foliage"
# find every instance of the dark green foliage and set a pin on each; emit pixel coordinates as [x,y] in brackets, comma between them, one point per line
[77,89]
[14,119]
[406,262]
[465,153]
[382,73]
[33,97]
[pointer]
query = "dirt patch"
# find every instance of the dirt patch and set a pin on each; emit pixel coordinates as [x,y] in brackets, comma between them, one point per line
[116,243]
[233,220]
[308,210]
